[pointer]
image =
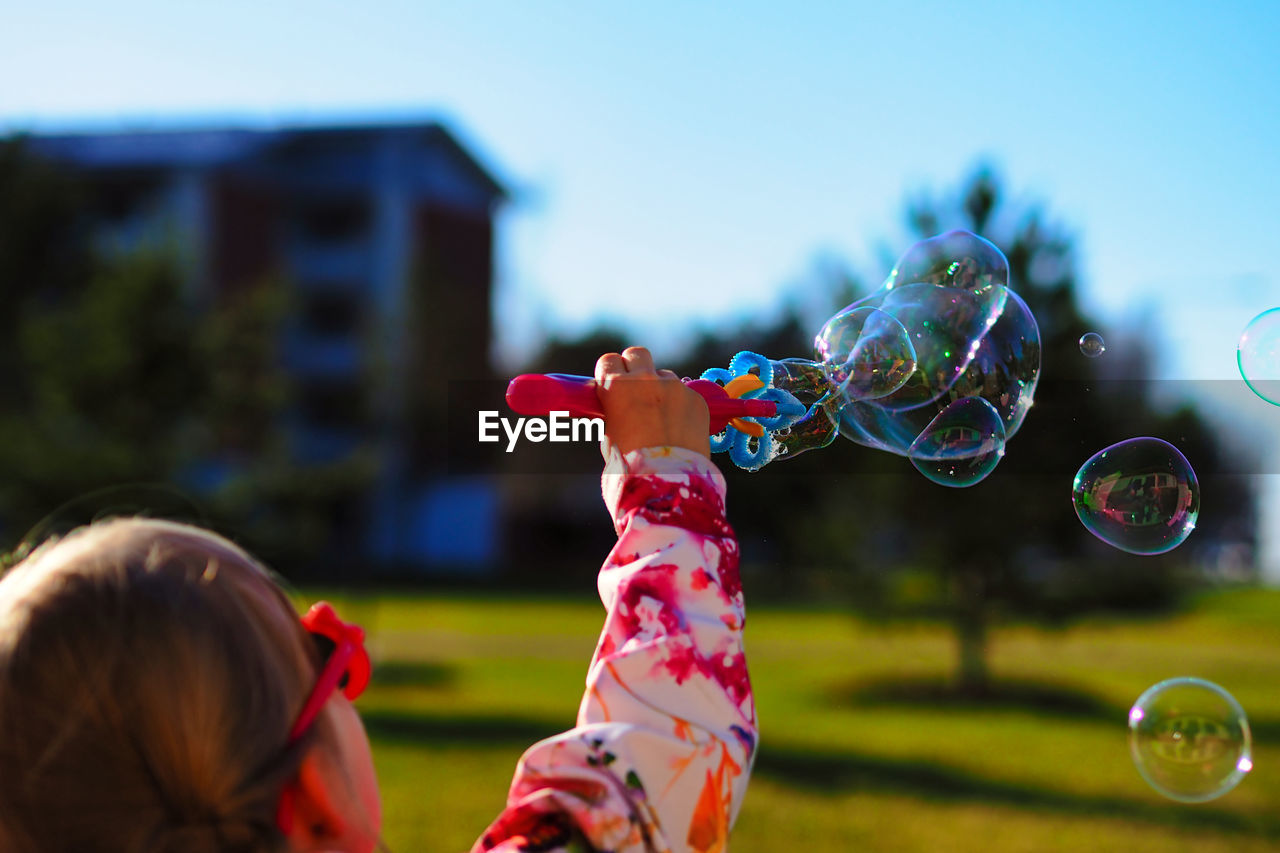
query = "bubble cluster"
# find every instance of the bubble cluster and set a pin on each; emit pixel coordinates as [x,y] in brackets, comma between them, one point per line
[1258,355]
[973,338]
[940,365]
[1092,345]
[1190,739]
[1139,495]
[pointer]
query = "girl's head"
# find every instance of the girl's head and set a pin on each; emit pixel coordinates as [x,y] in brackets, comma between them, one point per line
[150,674]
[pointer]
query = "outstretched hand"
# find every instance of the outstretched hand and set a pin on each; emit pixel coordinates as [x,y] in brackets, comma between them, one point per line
[644,407]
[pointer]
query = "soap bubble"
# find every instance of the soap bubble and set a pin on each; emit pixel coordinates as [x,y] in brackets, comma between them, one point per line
[1092,345]
[816,429]
[962,445]
[947,291]
[1190,739]
[806,380]
[958,260]
[1139,495]
[945,326]
[940,364]
[866,353]
[1258,355]
[973,337]
[1000,364]
[809,383]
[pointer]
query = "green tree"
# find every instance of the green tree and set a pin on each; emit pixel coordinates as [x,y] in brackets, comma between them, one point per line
[116,378]
[109,381]
[848,520]
[1011,547]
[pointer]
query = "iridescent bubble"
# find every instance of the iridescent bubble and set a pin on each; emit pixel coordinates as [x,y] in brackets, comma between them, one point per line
[1000,364]
[1258,355]
[947,291]
[1092,345]
[1190,739]
[807,380]
[865,352]
[816,429]
[962,445]
[943,329]
[959,260]
[1139,495]
[945,325]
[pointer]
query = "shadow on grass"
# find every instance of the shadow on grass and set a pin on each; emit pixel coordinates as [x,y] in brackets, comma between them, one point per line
[845,772]
[427,729]
[413,674]
[1042,698]
[1039,697]
[836,772]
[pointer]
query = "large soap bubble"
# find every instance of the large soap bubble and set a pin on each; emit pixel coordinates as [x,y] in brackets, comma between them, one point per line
[1139,495]
[1190,739]
[957,260]
[973,337]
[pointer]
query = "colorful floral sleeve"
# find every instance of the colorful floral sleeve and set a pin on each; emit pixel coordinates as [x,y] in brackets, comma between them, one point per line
[666,731]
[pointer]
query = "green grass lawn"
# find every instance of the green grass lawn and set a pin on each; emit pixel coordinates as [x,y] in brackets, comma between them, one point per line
[849,759]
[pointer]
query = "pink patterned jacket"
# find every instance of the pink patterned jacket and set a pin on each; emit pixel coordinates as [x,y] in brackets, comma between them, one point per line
[666,732]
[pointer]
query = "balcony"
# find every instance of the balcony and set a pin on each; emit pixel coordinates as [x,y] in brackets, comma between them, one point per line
[314,445]
[345,265]
[322,357]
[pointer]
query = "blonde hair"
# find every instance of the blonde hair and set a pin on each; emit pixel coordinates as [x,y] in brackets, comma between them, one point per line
[149,675]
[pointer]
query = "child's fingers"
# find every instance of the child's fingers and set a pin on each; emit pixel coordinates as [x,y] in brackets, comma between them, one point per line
[609,364]
[658,411]
[638,360]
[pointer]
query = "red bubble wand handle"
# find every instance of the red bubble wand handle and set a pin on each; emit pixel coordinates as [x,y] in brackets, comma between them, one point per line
[540,394]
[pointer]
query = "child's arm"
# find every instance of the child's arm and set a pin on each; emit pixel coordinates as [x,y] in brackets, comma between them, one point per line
[666,731]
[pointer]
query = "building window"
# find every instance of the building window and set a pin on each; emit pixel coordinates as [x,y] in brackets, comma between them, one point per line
[332,404]
[125,198]
[334,220]
[330,314]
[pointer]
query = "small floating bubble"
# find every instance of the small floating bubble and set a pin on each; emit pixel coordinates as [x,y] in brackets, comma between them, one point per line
[1092,345]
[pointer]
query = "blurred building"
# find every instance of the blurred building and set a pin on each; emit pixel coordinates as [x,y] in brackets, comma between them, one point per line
[385,235]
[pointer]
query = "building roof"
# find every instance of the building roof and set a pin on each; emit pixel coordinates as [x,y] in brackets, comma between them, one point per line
[218,147]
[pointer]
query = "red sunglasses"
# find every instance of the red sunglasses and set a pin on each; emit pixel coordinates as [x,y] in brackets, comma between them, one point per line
[346,663]
[346,667]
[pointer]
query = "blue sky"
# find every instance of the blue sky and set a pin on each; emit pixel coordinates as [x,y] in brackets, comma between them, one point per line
[677,162]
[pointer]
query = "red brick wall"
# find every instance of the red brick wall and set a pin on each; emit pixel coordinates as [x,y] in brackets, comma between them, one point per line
[449,332]
[245,241]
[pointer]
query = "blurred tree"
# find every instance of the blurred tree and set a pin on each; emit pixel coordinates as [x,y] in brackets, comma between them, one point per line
[551,492]
[116,380]
[298,515]
[42,248]
[110,377]
[1012,547]
[851,521]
